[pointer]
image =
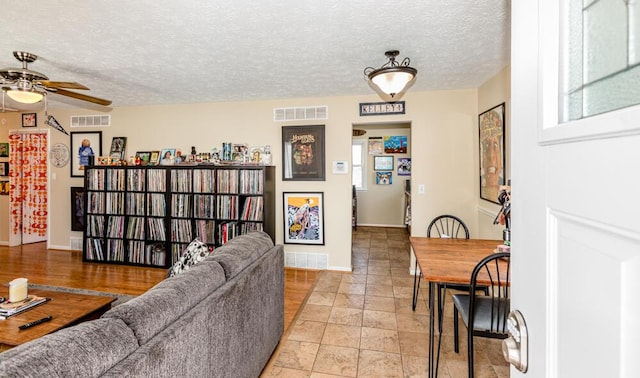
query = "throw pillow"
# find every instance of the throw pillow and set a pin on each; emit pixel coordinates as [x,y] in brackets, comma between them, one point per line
[195,252]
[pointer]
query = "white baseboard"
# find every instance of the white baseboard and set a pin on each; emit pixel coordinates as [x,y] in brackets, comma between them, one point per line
[381,225]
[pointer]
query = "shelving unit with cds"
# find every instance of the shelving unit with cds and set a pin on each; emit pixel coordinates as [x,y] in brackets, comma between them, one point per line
[148,215]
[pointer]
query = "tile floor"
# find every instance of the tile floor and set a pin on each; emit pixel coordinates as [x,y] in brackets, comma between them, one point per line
[360,324]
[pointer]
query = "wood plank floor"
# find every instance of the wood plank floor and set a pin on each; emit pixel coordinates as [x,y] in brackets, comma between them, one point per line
[66,269]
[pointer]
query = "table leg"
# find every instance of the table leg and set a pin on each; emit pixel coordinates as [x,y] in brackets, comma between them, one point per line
[416,285]
[432,331]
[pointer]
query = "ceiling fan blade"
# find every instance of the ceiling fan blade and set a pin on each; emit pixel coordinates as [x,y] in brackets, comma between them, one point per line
[82,97]
[62,84]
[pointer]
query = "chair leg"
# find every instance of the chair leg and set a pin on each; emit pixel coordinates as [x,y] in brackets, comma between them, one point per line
[470,351]
[456,347]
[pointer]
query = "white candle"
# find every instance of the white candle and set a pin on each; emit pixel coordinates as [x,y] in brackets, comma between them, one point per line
[18,289]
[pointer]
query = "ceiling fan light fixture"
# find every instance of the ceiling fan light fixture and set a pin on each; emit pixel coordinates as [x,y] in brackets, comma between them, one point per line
[25,96]
[393,77]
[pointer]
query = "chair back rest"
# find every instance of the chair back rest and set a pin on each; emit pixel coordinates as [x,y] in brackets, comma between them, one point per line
[493,271]
[447,226]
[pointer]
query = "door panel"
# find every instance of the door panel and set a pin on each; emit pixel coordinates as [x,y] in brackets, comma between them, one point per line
[575,223]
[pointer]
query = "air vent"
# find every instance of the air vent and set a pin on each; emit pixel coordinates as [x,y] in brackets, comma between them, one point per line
[75,243]
[301,113]
[91,121]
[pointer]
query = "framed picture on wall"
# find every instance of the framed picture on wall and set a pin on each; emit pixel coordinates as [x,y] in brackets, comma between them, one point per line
[303,218]
[4,168]
[303,153]
[29,119]
[492,156]
[85,146]
[77,208]
[396,144]
[4,149]
[404,166]
[382,163]
[384,177]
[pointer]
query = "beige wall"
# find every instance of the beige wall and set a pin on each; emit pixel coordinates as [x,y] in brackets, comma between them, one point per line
[494,92]
[383,205]
[444,155]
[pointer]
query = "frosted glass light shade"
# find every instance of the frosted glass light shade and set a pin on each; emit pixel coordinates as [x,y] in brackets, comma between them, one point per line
[392,80]
[25,97]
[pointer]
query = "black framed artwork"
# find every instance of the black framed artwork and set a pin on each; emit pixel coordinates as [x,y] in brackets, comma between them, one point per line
[77,208]
[85,146]
[491,125]
[29,119]
[303,153]
[382,163]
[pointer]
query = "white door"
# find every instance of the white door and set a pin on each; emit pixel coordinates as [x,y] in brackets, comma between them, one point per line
[576,193]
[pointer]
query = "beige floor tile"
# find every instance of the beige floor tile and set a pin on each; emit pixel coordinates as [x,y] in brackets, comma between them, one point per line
[379,290]
[342,335]
[372,364]
[382,340]
[377,279]
[404,306]
[413,322]
[351,288]
[347,316]
[305,330]
[414,344]
[379,303]
[321,298]
[405,292]
[330,286]
[354,278]
[281,372]
[342,361]
[297,355]
[349,300]
[379,319]
[315,313]
[415,367]
[323,375]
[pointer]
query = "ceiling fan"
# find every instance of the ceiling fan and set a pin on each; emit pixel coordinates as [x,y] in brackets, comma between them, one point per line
[28,87]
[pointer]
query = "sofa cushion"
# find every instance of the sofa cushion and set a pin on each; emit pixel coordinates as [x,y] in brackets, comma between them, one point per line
[241,251]
[161,305]
[195,252]
[95,346]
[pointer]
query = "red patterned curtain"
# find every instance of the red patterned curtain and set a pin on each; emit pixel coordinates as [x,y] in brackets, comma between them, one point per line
[28,182]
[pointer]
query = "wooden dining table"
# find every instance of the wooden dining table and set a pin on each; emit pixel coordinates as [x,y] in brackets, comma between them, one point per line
[443,260]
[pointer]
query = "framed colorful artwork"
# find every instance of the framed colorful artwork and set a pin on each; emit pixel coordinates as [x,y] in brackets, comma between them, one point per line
[404,166]
[303,218]
[384,178]
[144,156]
[154,158]
[167,156]
[303,153]
[395,144]
[85,146]
[492,157]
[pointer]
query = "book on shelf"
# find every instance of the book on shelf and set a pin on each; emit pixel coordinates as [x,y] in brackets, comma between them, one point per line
[8,309]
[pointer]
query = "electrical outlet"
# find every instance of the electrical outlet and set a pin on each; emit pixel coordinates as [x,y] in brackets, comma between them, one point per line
[421,189]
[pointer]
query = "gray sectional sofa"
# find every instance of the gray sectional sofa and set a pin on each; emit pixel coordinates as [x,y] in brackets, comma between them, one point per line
[222,318]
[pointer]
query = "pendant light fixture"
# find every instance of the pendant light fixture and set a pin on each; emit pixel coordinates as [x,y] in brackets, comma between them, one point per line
[393,77]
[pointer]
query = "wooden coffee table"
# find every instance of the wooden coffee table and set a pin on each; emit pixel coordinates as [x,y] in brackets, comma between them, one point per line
[67,309]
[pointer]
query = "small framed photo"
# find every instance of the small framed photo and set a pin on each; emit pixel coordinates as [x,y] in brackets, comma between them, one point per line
[154,158]
[384,178]
[4,149]
[303,217]
[117,150]
[4,188]
[145,157]
[167,156]
[382,163]
[4,168]
[85,146]
[29,119]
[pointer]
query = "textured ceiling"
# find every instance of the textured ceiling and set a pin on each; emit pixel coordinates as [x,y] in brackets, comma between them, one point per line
[166,52]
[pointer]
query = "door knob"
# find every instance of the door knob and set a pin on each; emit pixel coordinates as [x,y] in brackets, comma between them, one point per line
[515,347]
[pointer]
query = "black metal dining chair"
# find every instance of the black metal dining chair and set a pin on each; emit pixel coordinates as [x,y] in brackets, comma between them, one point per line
[484,315]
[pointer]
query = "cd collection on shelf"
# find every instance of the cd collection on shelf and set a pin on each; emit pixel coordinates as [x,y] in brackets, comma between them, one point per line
[148,215]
